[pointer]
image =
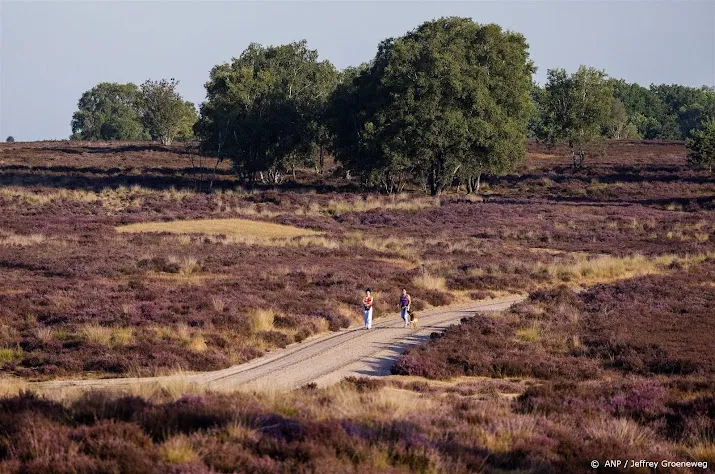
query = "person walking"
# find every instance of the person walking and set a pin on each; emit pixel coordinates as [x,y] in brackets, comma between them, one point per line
[367,308]
[405,305]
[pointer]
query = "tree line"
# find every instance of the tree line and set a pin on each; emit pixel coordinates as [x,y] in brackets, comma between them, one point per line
[154,110]
[450,101]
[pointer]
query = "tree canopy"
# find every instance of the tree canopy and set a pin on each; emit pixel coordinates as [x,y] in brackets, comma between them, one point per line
[447,102]
[449,98]
[664,111]
[264,110]
[165,114]
[702,144]
[109,111]
[576,108]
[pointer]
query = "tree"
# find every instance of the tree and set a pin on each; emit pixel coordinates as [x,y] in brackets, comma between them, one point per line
[109,111]
[165,114]
[686,107]
[664,111]
[10,139]
[702,145]
[265,109]
[536,121]
[448,99]
[576,108]
[617,119]
[189,117]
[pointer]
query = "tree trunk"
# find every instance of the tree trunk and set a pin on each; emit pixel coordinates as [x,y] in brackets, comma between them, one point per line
[434,178]
[577,158]
[479,183]
[321,160]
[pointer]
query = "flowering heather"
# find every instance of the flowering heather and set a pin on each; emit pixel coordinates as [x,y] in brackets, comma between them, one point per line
[650,325]
[358,426]
[610,355]
[78,296]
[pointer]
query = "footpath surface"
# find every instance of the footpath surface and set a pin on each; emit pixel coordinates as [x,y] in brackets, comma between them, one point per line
[324,359]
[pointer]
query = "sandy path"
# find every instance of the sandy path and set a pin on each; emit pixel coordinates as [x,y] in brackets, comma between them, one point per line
[323,359]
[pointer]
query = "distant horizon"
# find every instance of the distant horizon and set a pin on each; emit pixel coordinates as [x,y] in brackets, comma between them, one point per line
[58,51]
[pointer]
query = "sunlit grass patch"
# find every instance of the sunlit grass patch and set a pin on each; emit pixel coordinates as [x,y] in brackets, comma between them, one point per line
[531,334]
[501,435]
[97,334]
[11,386]
[622,432]
[107,336]
[12,239]
[241,227]
[262,319]
[428,281]
[704,451]
[402,202]
[584,269]
[178,450]
[10,355]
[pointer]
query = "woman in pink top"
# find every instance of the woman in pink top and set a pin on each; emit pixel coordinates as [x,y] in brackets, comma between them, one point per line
[367,308]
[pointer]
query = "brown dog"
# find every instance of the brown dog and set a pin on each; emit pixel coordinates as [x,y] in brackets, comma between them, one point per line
[414,320]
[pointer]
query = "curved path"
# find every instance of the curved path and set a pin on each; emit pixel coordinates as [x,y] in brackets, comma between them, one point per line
[323,359]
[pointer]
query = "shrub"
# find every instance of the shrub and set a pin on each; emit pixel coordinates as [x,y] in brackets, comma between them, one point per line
[275,338]
[436,298]
[338,321]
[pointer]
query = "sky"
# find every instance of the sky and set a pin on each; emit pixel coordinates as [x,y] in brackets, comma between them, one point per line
[51,52]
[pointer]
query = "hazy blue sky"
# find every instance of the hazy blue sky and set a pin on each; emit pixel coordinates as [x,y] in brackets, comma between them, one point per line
[52,52]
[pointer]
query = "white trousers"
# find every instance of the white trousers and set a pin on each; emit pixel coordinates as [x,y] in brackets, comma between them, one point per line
[367,315]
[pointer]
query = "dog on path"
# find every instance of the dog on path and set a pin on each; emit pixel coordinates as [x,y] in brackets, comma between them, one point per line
[414,320]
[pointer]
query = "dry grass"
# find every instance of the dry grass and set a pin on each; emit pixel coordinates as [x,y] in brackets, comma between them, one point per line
[188,279]
[590,270]
[178,450]
[315,240]
[704,451]
[45,334]
[197,344]
[122,337]
[240,432]
[11,386]
[9,355]
[261,319]
[346,402]
[403,202]
[242,227]
[218,304]
[97,334]
[45,197]
[106,336]
[12,239]
[502,435]
[531,334]
[189,266]
[428,281]
[622,431]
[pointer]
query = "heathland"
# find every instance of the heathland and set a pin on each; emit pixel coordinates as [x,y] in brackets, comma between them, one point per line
[116,262]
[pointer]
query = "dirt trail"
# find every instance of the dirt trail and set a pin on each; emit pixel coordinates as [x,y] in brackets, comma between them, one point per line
[323,359]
